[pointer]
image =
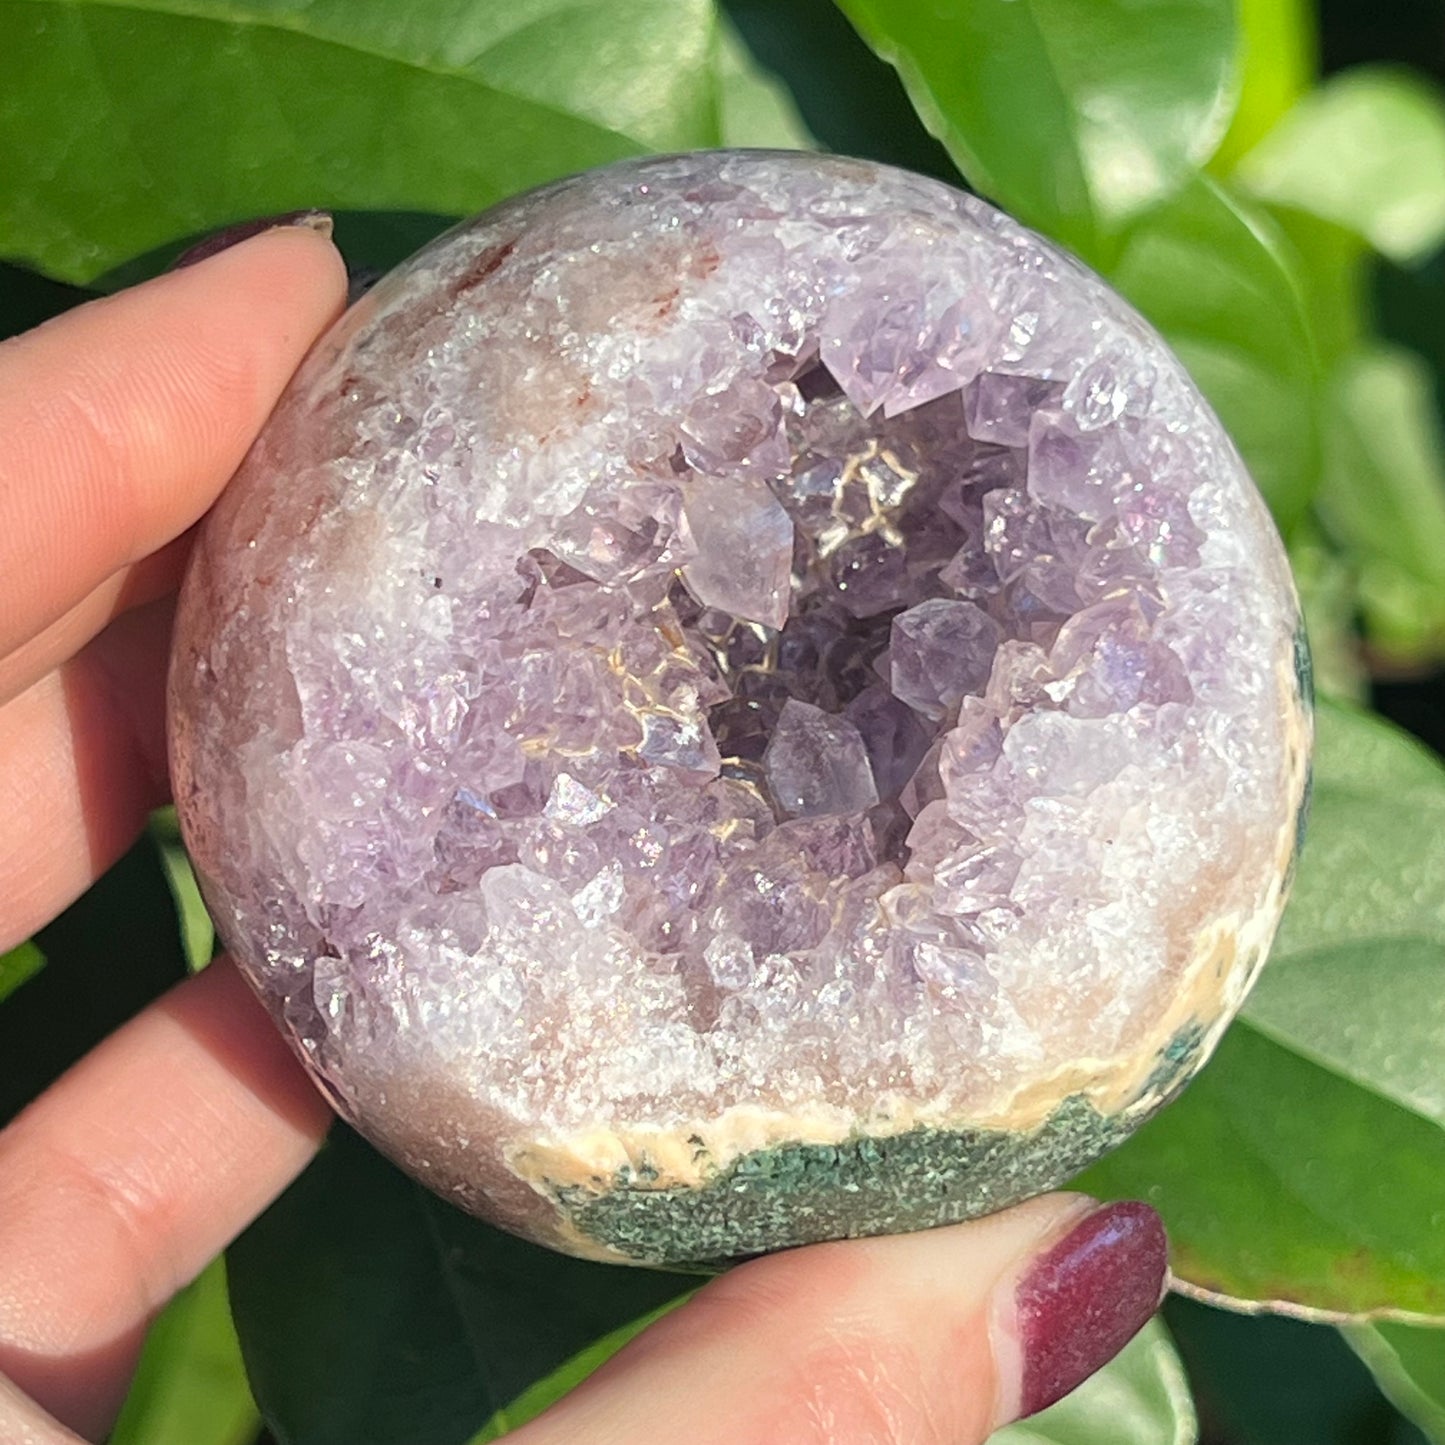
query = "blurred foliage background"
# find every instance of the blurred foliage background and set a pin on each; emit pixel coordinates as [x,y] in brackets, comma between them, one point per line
[1265,179]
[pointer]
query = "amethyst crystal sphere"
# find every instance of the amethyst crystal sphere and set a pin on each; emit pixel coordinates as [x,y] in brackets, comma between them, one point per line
[741,699]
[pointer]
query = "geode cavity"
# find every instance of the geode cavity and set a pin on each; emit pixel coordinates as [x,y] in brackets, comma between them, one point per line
[742,698]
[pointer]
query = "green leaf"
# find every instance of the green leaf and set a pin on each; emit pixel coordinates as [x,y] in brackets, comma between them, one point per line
[1219,284]
[1357,980]
[190,1387]
[1333,267]
[546,1392]
[198,933]
[1408,1363]
[1276,64]
[1382,496]
[1367,151]
[825,67]
[1074,117]
[129,123]
[753,108]
[1287,1187]
[1139,1398]
[370,1310]
[1327,597]
[18,965]
[1305,1168]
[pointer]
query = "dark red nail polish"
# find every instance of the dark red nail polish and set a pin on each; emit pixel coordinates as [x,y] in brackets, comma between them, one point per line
[1084,1300]
[229,236]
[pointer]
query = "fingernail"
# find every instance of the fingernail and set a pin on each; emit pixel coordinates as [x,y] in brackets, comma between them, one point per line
[1086,1297]
[228,236]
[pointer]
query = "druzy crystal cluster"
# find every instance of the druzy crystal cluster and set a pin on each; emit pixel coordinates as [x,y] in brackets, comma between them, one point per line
[731,656]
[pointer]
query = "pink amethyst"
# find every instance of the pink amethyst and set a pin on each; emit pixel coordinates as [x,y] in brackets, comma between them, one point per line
[742,698]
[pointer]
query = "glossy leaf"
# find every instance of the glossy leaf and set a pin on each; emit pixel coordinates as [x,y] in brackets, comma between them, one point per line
[754,109]
[1382,496]
[1366,151]
[130,123]
[1305,1168]
[1219,284]
[190,1387]
[1140,1398]
[849,99]
[1287,1187]
[1332,265]
[1276,66]
[370,1310]
[21,963]
[198,933]
[1073,117]
[1408,1363]
[1357,980]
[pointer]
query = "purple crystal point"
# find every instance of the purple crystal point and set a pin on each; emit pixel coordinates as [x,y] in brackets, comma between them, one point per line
[940,651]
[893,734]
[1000,408]
[818,764]
[745,549]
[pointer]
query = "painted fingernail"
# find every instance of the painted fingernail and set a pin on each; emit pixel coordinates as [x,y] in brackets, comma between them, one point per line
[1084,1299]
[228,236]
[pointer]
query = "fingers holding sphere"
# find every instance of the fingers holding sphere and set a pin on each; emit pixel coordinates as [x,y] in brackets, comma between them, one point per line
[125,1178]
[124,418]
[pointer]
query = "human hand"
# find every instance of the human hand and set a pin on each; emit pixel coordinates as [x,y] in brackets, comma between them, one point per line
[122,421]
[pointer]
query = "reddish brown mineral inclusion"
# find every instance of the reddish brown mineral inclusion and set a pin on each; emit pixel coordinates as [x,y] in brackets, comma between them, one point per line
[736,652]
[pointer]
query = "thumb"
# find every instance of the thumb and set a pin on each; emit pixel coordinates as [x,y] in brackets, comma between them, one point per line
[936,1338]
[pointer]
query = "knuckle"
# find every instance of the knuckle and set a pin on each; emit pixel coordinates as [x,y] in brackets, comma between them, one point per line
[61,1196]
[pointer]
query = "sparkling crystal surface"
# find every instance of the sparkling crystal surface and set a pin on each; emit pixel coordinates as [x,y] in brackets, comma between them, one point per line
[739,647]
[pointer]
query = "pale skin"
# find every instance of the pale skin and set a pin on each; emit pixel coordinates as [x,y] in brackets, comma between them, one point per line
[122,422]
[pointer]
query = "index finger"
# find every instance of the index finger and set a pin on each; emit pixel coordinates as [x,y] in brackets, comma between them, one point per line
[121,1181]
[124,418]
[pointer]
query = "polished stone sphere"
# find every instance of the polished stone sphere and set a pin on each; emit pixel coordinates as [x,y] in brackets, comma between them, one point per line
[739,699]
